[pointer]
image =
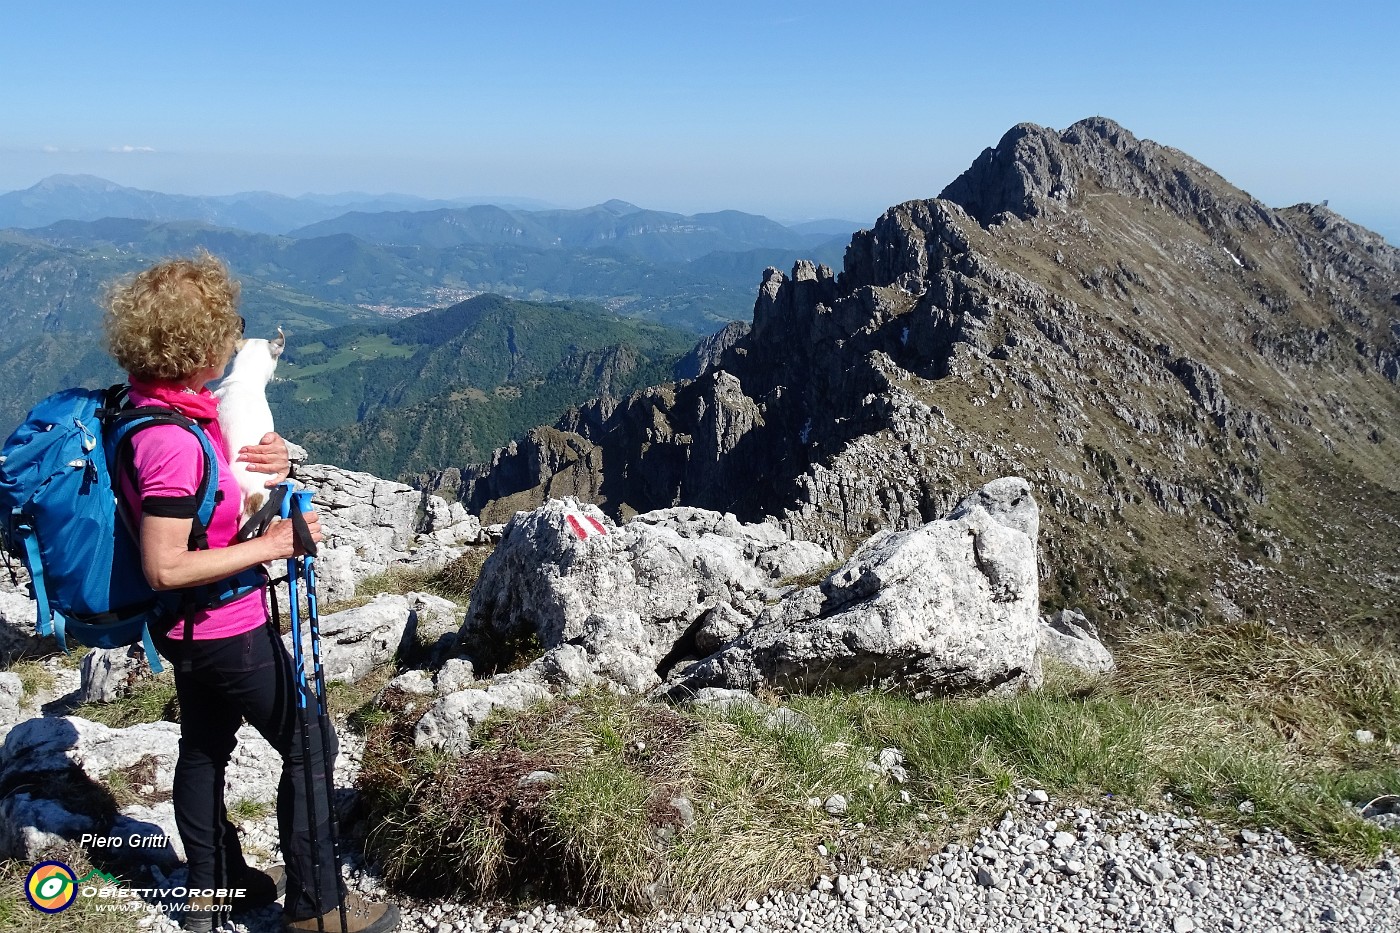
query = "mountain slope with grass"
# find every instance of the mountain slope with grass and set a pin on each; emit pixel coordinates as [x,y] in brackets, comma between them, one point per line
[454,383]
[1202,390]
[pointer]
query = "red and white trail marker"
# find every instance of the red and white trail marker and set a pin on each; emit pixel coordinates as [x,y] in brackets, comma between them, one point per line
[583,531]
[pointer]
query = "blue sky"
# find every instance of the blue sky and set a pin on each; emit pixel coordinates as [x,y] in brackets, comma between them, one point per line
[796,110]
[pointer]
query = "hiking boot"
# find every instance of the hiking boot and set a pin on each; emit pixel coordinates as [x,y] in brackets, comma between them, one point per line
[361,916]
[260,888]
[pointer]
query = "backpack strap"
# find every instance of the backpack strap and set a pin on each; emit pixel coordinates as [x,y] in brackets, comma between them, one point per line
[126,421]
[24,533]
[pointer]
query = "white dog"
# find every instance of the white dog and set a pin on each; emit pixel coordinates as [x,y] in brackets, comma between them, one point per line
[244,415]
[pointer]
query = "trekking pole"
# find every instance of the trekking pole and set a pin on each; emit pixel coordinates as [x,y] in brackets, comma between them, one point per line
[304,722]
[302,504]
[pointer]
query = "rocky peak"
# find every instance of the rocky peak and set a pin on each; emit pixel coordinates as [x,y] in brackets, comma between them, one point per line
[1179,371]
[1034,170]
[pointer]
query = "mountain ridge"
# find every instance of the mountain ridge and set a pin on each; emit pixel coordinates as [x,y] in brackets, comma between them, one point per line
[51,199]
[1183,372]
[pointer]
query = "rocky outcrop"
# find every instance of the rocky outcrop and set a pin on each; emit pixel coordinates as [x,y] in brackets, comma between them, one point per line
[610,603]
[371,523]
[11,696]
[17,616]
[949,607]
[1155,349]
[54,772]
[356,641]
[710,350]
[1069,639]
[693,604]
[109,674]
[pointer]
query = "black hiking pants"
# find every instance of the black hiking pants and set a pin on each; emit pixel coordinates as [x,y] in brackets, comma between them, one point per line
[248,677]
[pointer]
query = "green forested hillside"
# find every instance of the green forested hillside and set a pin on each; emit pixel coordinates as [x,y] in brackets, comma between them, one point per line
[446,387]
[50,317]
[370,378]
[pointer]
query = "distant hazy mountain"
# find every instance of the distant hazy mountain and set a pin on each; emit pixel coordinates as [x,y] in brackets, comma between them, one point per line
[51,279]
[343,269]
[693,273]
[86,197]
[828,228]
[615,226]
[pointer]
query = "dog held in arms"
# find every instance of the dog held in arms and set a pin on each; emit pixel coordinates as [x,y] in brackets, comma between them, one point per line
[244,415]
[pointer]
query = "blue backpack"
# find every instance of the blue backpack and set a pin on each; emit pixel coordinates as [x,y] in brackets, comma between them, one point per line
[59,513]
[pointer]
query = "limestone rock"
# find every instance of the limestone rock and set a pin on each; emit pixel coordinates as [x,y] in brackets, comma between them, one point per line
[371,523]
[32,827]
[112,673]
[620,602]
[155,830]
[63,751]
[449,722]
[948,607]
[435,623]
[17,615]
[53,744]
[11,696]
[1068,638]
[456,674]
[415,681]
[355,641]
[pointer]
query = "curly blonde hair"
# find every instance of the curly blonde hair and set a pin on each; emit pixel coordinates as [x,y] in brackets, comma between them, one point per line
[173,319]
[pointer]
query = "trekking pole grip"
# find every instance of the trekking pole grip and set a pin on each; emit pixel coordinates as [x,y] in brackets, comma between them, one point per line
[300,505]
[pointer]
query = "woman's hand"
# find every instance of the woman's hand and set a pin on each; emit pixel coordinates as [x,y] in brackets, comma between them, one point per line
[280,536]
[268,456]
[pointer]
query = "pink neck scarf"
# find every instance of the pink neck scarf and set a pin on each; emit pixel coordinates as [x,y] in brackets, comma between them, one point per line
[201,405]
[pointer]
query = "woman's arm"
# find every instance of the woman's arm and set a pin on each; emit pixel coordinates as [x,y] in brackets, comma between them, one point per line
[169,564]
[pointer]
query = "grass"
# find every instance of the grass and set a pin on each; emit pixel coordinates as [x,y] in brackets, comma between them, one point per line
[454,580]
[812,577]
[244,810]
[1209,719]
[151,699]
[355,700]
[17,916]
[35,673]
[34,676]
[126,785]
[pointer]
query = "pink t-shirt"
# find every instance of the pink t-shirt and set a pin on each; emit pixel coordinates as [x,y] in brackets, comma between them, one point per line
[169,465]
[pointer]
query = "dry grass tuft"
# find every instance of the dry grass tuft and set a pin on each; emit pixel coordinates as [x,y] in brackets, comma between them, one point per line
[18,916]
[455,580]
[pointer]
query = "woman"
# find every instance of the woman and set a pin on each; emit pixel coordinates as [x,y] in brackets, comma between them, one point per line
[173,328]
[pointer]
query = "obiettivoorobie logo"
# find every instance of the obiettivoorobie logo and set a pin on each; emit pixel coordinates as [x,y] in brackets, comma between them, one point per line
[51,887]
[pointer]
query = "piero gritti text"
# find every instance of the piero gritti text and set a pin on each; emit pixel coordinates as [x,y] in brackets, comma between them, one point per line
[133,841]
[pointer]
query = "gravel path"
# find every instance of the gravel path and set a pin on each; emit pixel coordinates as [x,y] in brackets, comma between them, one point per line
[1040,869]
